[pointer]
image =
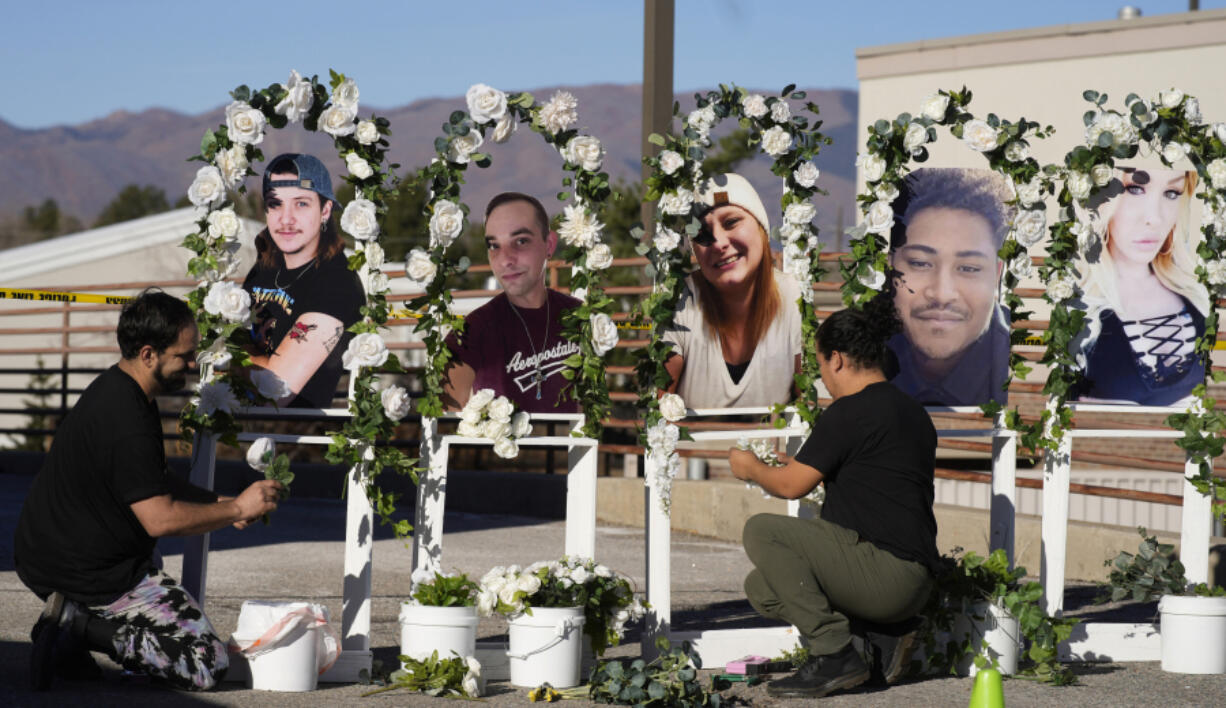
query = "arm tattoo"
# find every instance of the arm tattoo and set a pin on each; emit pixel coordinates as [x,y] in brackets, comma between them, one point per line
[299,331]
[334,339]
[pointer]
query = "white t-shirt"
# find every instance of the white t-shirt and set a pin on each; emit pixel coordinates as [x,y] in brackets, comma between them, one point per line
[705,382]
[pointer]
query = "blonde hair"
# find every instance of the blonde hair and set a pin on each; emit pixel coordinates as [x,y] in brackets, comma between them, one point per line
[1175,268]
[762,310]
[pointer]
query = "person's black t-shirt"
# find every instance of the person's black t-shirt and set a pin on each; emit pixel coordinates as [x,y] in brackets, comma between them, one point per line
[77,533]
[280,296]
[876,450]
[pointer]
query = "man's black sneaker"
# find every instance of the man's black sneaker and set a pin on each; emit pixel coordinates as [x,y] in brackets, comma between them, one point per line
[54,621]
[822,675]
[889,649]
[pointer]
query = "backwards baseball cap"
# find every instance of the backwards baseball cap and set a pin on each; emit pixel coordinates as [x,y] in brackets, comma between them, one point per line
[312,175]
[733,189]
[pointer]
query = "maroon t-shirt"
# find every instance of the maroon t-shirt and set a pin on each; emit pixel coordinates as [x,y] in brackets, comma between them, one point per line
[496,345]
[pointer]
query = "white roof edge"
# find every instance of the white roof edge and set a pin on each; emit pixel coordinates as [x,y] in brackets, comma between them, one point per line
[102,242]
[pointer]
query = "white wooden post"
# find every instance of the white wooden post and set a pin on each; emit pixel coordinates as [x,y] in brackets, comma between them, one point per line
[196,548]
[1056,473]
[581,499]
[431,499]
[359,559]
[658,530]
[1196,528]
[1004,488]
[791,447]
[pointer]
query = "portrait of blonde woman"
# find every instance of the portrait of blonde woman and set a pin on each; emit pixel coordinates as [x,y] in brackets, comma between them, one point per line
[1145,308]
[736,337]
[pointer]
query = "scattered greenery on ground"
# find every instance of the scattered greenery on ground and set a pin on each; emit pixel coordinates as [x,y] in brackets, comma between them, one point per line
[671,679]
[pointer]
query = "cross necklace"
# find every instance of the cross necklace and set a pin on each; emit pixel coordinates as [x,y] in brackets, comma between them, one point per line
[537,378]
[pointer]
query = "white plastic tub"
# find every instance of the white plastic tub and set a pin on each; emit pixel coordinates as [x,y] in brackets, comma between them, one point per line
[451,631]
[546,647]
[1193,630]
[281,655]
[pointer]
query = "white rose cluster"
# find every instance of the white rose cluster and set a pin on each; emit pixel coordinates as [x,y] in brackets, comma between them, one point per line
[485,104]
[1217,173]
[504,128]
[873,166]
[780,111]
[579,226]
[677,203]
[776,141]
[1117,126]
[560,112]
[600,257]
[753,105]
[360,219]
[357,166]
[702,120]
[396,402]
[1029,192]
[461,147]
[1017,151]
[1030,226]
[244,124]
[446,223]
[494,418]
[604,333]
[224,225]
[1215,271]
[935,107]
[980,136]
[1101,174]
[1061,288]
[367,133]
[299,97]
[228,301]
[806,175]
[670,161]
[584,151]
[1171,98]
[915,138]
[1079,185]
[662,441]
[799,213]
[419,268]
[1174,151]
[232,162]
[879,218]
[208,188]
[1021,266]
[666,239]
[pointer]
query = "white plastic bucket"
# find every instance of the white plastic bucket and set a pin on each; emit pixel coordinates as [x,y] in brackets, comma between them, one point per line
[451,631]
[546,646]
[998,627]
[1193,633]
[284,644]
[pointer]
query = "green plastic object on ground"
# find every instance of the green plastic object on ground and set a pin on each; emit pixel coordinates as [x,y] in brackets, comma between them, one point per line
[988,691]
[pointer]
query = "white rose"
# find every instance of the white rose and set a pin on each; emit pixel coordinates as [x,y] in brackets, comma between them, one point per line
[915,138]
[604,333]
[753,105]
[1121,129]
[873,280]
[506,594]
[1030,226]
[521,424]
[219,360]
[701,120]
[666,239]
[506,448]
[579,227]
[396,402]
[495,429]
[1191,111]
[1215,271]
[1079,184]
[485,104]
[599,257]
[208,187]
[1101,174]
[367,133]
[501,409]
[468,429]
[1030,192]
[227,261]
[790,233]
[1174,152]
[1219,129]
[800,213]
[670,161]
[299,98]
[337,120]
[419,268]
[260,454]
[1217,173]
[1017,151]
[373,253]
[579,293]
[233,165]
[979,135]
[873,166]
[560,113]
[376,281]
[229,301]
[935,107]
[886,192]
[462,146]
[480,399]
[224,224]
[1170,99]
[504,128]
[880,218]
[1021,267]
[446,223]
[672,407]
[215,397]
[1061,288]
[776,141]
[806,175]
[270,385]
[677,203]
[781,112]
[486,602]
[366,349]
[346,94]
[470,686]
[244,124]
[360,220]
[584,151]
[1084,234]
[357,166]
[579,575]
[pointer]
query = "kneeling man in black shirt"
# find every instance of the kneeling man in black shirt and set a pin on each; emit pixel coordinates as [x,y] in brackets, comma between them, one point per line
[868,560]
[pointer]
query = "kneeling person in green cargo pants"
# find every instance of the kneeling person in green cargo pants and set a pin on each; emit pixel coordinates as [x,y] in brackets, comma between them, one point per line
[865,566]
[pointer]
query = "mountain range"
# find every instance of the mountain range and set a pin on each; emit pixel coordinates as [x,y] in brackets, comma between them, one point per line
[84,166]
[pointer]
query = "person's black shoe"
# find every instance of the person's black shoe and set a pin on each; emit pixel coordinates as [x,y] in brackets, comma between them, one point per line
[822,675]
[889,649]
[55,621]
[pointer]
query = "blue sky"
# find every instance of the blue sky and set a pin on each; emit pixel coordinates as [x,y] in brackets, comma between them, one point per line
[69,62]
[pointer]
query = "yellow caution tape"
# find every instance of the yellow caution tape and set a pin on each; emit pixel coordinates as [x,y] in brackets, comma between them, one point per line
[1038,342]
[411,315]
[53,296]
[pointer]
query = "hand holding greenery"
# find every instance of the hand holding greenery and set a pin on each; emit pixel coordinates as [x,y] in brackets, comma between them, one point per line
[262,456]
